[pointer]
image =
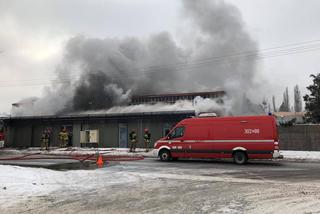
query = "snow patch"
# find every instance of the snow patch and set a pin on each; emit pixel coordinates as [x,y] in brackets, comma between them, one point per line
[19,183]
[301,155]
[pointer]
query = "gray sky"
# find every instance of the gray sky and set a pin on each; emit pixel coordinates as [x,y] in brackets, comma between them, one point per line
[33,34]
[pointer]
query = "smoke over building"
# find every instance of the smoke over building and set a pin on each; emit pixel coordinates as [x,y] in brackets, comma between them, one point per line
[101,74]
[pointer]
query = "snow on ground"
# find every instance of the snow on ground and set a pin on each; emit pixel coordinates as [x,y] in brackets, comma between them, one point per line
[151,186]
[19,183]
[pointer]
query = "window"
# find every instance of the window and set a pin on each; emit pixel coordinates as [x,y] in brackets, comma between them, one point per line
[177,132]
[166,129]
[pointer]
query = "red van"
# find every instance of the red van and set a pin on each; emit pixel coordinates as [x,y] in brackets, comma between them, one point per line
[240,138]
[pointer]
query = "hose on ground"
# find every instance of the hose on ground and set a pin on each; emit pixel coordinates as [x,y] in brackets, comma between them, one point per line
[80,157]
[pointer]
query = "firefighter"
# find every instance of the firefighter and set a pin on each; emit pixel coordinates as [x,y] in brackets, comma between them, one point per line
[44,140]
[49,131]
[147,139]
[133,140]
[63,138]
[70,138]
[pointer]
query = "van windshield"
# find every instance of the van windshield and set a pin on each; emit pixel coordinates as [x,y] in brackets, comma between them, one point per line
[177,132]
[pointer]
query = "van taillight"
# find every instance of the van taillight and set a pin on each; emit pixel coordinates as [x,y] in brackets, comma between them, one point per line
[276,131]
[276,145]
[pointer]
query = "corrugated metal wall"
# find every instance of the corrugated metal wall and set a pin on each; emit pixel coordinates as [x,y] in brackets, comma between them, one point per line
[27,132]
[300,137]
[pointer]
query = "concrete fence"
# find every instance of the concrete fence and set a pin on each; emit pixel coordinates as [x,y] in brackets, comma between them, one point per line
[300,137]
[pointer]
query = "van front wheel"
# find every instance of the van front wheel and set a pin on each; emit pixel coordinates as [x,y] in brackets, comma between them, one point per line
[240,157]
[165,155]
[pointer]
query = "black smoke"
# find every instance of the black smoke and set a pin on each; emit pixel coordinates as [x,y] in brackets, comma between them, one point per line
[106,72]
[94,92]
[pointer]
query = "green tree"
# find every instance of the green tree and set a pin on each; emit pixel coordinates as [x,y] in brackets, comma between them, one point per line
[297,99]
[312,101]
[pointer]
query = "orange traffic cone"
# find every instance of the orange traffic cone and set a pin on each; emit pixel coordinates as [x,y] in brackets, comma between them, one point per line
[100,160]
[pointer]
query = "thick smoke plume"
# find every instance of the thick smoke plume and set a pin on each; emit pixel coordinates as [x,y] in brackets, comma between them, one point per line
[101,74]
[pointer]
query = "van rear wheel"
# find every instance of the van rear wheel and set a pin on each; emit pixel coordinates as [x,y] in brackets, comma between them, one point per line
[240,157]
[165,155]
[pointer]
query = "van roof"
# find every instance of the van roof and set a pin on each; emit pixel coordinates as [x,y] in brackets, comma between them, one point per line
[208,119]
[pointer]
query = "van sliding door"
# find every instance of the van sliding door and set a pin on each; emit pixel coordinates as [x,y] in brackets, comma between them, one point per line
[197,144]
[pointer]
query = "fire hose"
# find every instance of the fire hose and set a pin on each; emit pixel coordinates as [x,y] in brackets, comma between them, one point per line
[79,157]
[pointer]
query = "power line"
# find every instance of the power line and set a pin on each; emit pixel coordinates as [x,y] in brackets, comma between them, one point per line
[244,56]
[244,53]
[248,55]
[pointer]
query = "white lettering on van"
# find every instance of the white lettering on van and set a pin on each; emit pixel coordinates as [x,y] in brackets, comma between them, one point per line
[251,131]
[176,147]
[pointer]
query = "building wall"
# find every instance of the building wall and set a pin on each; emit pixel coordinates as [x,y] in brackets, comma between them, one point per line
[27,133]
[36,135]
[108,132]
[76,136]
[22,135]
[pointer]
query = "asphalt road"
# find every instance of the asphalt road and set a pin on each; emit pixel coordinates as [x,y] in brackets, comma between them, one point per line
[185,186]
[276,170]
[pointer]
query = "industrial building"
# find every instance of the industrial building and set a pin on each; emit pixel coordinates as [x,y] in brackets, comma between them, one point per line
[102,130]
[172,98]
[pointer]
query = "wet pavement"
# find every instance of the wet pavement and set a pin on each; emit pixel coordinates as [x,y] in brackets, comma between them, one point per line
[64,160]
[86,165]
[61,163]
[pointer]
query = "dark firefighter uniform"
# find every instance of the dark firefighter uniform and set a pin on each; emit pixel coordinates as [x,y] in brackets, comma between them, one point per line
[147,139]
[44,140]
[133,140]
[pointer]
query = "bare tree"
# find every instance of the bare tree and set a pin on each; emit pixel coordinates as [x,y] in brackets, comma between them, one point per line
[285,106]
[274,104]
